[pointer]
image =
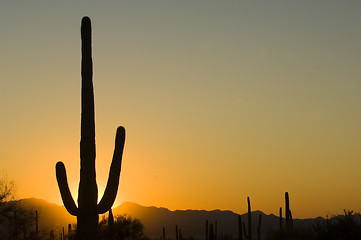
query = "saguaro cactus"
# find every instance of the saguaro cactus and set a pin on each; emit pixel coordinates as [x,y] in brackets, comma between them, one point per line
[36,223]
[291,220]
[110,220]
[88,209]
[69,229]
[244,230]
[259,227]
[287,213]
[240,234]
[176,232]
[211,232]
[281,228]
[51,234]
[207,233]
[215,230]
[249,219]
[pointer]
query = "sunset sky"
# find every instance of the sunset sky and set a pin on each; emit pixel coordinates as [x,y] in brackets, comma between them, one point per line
[220,100]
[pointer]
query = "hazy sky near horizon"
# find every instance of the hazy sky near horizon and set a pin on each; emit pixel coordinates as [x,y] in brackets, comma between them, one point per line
[220,100]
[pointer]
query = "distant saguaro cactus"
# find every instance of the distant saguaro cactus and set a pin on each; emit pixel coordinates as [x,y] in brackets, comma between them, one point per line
[207,233]
[281,228]
[36,223]
[110,220]
[249,219]
[291,220]
[215,230]
[259,227]
[69,230]
[240,234]
[111,224]
[211,232]
[244,230]
[88,208]
[70,233]
[288,212]
[51,234]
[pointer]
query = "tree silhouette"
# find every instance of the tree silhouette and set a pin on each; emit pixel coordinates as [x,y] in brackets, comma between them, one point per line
[7,190]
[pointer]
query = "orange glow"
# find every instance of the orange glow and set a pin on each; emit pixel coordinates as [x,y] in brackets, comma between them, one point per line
[254,100]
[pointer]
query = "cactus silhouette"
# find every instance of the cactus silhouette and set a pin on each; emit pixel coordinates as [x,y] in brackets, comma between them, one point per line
[281,228]
[176,232]
[259,227]
[110,220]
[51,234]
[88,209]
[215,230]
[249,219]
[207,233]
[70,234]
[288,212]
[244,230]
[211,232]
[36,223]
[111,229]
[240,234]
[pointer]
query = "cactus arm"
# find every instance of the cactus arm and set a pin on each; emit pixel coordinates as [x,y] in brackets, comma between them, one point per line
[111,189]
[64,189]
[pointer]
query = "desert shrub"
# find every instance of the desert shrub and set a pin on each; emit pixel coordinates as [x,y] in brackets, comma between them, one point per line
[124,228]
[341,227]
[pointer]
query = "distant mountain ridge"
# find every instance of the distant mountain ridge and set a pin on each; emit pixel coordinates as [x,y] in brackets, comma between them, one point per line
[51,215]
[191,222]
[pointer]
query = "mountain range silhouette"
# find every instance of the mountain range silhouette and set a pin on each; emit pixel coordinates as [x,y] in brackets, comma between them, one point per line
[191,222]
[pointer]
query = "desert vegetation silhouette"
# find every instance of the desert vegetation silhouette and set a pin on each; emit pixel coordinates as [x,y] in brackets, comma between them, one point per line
[88,207]
[19,222]
[121,227]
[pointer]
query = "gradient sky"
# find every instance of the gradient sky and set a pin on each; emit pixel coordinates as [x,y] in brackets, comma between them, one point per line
[220,100]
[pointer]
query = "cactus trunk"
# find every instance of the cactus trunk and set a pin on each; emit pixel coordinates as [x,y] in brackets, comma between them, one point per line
[88,191]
